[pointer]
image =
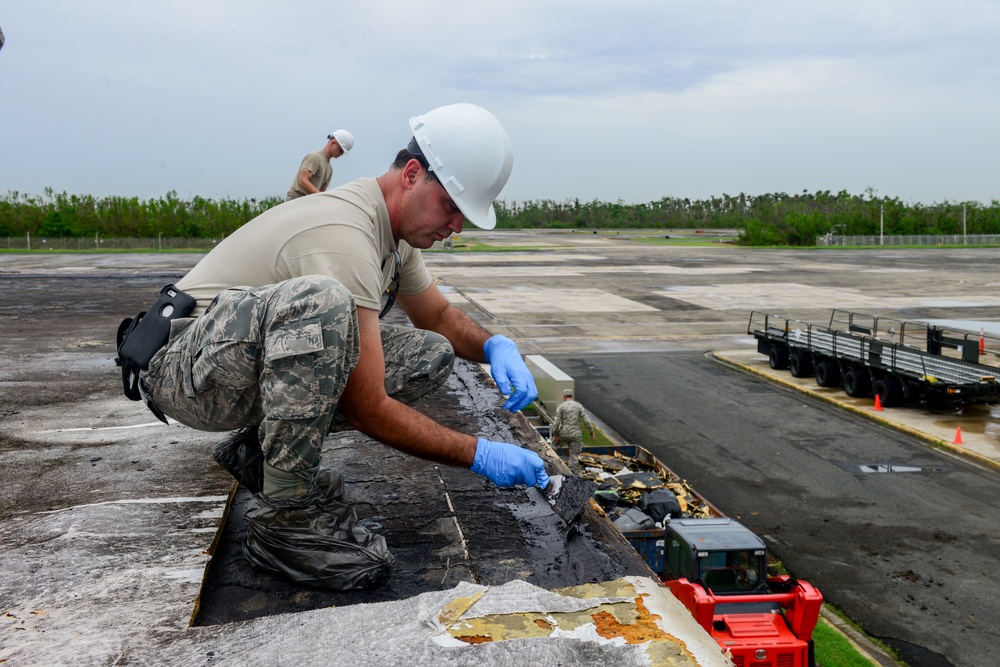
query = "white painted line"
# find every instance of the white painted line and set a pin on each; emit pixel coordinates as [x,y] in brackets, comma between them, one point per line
[105,428]
[145,501]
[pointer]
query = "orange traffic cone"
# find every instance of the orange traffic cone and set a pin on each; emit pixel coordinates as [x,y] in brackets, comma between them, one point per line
[878,404]
[958,436]
[982,342]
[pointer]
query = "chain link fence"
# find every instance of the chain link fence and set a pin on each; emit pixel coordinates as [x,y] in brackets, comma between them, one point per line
[105,243]
[909,240]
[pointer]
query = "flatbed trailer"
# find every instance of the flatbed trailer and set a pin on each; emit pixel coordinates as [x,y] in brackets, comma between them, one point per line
[896,361]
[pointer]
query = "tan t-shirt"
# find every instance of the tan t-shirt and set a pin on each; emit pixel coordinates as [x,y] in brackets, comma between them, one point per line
[322,172]
[343,233]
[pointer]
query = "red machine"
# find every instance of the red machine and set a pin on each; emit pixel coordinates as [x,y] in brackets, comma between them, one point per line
[717,568]
[762,630]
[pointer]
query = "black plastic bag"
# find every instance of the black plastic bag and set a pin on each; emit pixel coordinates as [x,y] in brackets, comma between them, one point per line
[240,454]
[316,540]
[659,504]
[607,497]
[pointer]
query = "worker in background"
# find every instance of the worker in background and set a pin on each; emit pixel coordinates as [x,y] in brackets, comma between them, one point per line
[286,337]
[566,429]
[315,172]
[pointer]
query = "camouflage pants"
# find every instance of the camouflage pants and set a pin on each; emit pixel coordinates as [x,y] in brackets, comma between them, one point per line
[575,444]
[279,356]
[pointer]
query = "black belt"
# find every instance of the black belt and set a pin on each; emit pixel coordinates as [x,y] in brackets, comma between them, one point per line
[145,393]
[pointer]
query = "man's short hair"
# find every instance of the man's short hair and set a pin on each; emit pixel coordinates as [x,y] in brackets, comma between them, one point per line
[413,152]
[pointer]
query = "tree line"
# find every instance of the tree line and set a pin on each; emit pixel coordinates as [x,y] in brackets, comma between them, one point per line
[763,220]
[767,219]
[64,215]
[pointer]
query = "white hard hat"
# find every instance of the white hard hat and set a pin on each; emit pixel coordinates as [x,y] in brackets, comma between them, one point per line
[470,153]
[344,138]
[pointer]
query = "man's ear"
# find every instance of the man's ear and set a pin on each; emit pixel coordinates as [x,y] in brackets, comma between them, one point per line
[411,172]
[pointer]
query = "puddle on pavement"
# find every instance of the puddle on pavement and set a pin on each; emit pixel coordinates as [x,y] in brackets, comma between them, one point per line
[978,419]
[888,468]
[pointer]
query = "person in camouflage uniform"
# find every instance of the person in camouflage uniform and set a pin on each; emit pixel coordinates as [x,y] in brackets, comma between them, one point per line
[287,335]
[566,429]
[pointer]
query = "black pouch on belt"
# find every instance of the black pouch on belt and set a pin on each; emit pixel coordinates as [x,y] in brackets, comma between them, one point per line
[142,336]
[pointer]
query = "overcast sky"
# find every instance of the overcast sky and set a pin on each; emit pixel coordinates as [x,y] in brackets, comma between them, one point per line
[602,100]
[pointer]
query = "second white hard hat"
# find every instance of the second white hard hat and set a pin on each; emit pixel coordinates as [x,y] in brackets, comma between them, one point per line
[470,153]
[344,138]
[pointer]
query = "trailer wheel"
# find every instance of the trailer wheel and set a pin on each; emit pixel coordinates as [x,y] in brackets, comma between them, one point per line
[827,374]
[778,357]
[890,392]
[858,384]
[800,364]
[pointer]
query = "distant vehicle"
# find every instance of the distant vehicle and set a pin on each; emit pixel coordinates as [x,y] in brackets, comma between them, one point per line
[717,568]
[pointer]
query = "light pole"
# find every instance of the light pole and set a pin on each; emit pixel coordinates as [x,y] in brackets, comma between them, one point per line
[965,239]
[881,224]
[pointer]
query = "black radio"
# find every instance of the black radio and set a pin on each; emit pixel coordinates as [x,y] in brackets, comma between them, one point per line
[141,337]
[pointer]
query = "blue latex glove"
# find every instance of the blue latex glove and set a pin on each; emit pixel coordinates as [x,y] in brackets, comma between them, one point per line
[508,370]
[509,465]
